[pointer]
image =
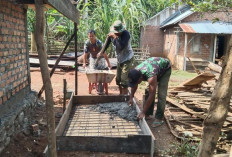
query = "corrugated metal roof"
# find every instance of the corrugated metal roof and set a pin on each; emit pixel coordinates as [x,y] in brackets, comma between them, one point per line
[207,27]
[177,17]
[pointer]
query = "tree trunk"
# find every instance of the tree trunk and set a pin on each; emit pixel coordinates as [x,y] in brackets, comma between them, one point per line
[39,36]
[218,110]
[33,44]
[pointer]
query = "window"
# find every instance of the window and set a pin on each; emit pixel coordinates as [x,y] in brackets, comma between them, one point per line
[196,44]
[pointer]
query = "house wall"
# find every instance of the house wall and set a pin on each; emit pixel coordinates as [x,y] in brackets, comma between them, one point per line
[14,69]
[16,98]
[206,17]
[170,44]
[174,41]
[152,36]
[174,46]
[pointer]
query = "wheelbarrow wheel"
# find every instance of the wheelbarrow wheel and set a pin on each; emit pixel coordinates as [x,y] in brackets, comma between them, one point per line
[100,88]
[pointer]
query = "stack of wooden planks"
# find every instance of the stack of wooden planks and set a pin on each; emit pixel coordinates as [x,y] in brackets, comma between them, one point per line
[186,112]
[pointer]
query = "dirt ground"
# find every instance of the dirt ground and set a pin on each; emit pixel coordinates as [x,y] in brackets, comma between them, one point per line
[27,145]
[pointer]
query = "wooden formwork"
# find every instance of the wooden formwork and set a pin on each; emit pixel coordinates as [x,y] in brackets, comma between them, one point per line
[75,133]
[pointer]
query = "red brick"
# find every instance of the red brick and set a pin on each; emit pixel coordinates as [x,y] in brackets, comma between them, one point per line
[7,59]
[1,93]
[3,61]
[3,84]
[2,46]
[13,92]
[8,95]
[17,89]
[8,81]
[4,98]
[3,69]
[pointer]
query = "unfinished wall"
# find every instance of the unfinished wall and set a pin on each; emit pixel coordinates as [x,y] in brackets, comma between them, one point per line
[152,36]
[16,98]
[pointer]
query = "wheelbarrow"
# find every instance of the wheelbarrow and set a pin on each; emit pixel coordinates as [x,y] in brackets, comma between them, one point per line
[99,80]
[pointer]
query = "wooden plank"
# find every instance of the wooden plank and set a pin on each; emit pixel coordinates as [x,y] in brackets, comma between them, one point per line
[64,119]
[198,80]
[145,128]
[35,61]
[95,99]
[215,67]
[184,108]
[131,144]
[66,8]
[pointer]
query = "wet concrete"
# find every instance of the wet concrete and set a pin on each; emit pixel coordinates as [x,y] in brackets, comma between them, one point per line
[120,109]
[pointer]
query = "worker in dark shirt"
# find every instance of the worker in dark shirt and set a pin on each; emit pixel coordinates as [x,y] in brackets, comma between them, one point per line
[156,71]
[121,40]
[92,47]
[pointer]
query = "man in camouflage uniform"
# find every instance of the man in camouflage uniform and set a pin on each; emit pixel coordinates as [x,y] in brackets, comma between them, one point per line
[156,71]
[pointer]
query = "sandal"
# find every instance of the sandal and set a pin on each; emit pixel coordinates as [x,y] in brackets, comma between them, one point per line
[156,123]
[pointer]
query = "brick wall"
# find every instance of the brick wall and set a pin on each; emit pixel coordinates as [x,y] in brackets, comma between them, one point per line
[170,42]
[206,46]
[172,39]
[14,70]
[206,17]
[152,36]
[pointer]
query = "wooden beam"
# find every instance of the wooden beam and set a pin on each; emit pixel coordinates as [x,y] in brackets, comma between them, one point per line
[64,119]
[131,144]
[185,50]
[184,108]
[25,1]
[95,99]
[215,67]
[145,128]
[66,8]
[214,48]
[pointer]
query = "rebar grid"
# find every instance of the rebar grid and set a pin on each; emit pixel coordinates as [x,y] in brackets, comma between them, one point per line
[84,121]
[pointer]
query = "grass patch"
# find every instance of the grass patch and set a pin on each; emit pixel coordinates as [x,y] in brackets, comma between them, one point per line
[179,76]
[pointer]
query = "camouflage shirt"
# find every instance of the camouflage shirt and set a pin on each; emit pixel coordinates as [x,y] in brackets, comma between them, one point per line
[93,49]
[154,66]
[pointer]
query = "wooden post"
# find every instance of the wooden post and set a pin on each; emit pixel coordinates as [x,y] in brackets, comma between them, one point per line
[40,23]
[177,43]
[65,92]
[218,109]
[185,50]
[76,64]
[214,48]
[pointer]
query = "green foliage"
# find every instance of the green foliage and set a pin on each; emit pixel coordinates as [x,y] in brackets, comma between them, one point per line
[154,6]
[58,25]
[209,5]
[100,14]
[212,5]
[186,148]
[31,20]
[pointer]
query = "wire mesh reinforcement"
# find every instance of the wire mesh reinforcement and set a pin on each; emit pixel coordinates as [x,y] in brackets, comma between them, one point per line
[84,121]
